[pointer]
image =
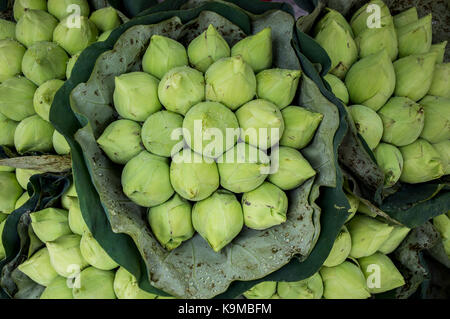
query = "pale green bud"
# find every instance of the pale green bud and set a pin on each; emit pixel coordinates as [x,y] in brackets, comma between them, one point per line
[443,148]
[332,15]
[50,224]
[71,64]
[94,254]
[16,98]
[22,200]
[95,284]
[60,144]
[33,134]
[104,36]
[368,124]
[406,17]
[7,129]
[437,119]
[374,40]
[7,30]
[66,202]
[38,268]
[62,8]
[57,289]
[415,37]
[310,288]
[278,86]
[340,250]
[23,176]
[35,26]
[390,161]
[362,17]
[20,6]
[441,79]
[11,191]
[337,87]
[105,19]
[394,240]
[442,224]
[127,287]
[439,48]
[11,54]
[263,290]
[74,38]
[43,97]
[76,222]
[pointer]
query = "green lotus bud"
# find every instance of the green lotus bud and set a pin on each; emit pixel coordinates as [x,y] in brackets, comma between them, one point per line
[38,268]
[340,46]
[95,284]
[293,168]
[442,224]
[65,255]
[263,290]
[403,121]
[390,161]
[181,88]
[441,78]
[440,51]
[23,176]
[406,17]
[171,222]
[7,30]
[43,97]
[394,240]
[63,8]
[75,38]
[7,129]
[381,273]
[354,205]
[262,123]
[16,98]
[94,254]
[44,61]
[22,200]
[218,219]
[193,177]
[136,96]
[443,148]
[66,202]
[157,133]
[57,289]
[126,286]
[207,128]
[76,222]
[243,168]
[146,181]
[369,90]
[365,18]
[437,118]
[345,281]
[104,36]
[72,191]
[278,86]
[340,250]
[332,15]
[60,144]
[34,134]
[50,224]
[121,141]
[20,6]
[11,54]
[35,26]
[207,48]
[256,50]
[2,249]
[230,81]
[415,37]
[368,124]
[105,19]
[162,55]
[310,288]
[367,234]
[300,126]
[71,64]
[11,191]
[337,87]
[374,40]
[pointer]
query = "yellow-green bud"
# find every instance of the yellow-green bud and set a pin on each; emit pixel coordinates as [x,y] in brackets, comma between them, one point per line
[50,224]
[43,97]
[337,87]
[35,26]
[406,17]
[11,191]
[23,176]
[278,86]
[71,64]
[7,30]
[105,19]
[340,250]
[22,200]
[310,288]
[16,98]
[332,15]
[11,54]
[443,148]
[38,268]
[74,38]
[394,240]
[415,37]
[441,79]
[437,118]
[7,129]
[256,50]
[374,40]
[390,161]
[126,286]
[94,254]
[57,289]
[33,134]
[360,19]
[20,6]
[60,144]
[76,222]
[95,284]
[264,290]
[62,9]
[368,124]
[439,48]
[104,36]
[6,169]
[354,205]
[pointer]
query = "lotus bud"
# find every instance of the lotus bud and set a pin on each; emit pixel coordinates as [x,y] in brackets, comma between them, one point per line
[181,88]
[64,8]
[171,222]
[94,254]
[390,161]
[76,222]
[340,46]
[415,37]
[368,124]
[230,81]
[442,224]
[293,168]
[443,148]
[440,51]
[263,290]
[365,18]
[264,207]
[218,219]
[95,284]
[354,205]
[441,78]
[35,26]
[367,234]
[437,118]
[337,87]
[2,249]
[11,54]
[207,128]
[34,135]
[207,48]
[406,17]
[60,144]
[105,19]
[16,98]
[157,133]
[374,40]
[23,176]
[162,55]
[121,141]
[136,96]
[300,126]
[256,50]
[403,121]
[126,286]
[75,38]
[38,268]
[20,6]
[7,129]
[192,176]
[369,90]
[57,289]
[381,273]
[50,224]
[394,240]
[44,61]
[310,288]
[72,191]
[146,181]
[7,30]
[11,191]
[243,168]
[65,255]
[332,15]
[366,210]
[104,36]
[71,64]
[66,203]
[22,200]
[345,281]
[340,250]
[278,86]
[43,97]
